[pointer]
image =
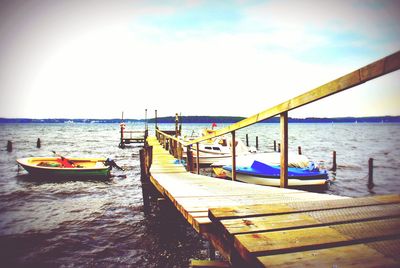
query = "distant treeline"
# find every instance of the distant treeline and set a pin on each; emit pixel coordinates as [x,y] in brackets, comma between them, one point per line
[210,119]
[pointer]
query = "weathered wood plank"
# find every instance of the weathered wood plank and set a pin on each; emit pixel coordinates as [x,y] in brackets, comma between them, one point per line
[220,213]
[307,219]
[251,246]
[360,255]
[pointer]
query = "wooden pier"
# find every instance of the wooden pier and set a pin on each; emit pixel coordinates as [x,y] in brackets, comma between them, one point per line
[261,226]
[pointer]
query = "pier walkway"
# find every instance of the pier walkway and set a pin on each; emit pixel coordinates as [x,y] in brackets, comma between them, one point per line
[260,226]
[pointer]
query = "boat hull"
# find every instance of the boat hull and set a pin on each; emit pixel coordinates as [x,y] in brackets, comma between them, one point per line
[88,168]
[275,181]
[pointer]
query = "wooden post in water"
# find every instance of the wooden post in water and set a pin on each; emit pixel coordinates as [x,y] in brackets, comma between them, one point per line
[233,156]
[370,173]
[9,146]
[274,145]
[334,165]
[144,180]
[284,149]
[197,158]
[256,142]
[247,140]
[299,150]
[279,147]
[38,143]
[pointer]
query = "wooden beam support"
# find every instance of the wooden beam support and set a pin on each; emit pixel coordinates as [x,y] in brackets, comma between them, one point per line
[284,150]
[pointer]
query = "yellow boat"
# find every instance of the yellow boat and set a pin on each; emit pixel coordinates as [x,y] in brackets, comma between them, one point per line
[72,168]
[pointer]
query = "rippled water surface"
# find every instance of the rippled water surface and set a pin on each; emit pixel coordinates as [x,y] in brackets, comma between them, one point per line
[101,223]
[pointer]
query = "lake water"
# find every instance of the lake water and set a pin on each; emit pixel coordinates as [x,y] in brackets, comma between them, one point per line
[102,224]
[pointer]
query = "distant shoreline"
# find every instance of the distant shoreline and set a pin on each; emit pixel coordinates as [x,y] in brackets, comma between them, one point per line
[208,119]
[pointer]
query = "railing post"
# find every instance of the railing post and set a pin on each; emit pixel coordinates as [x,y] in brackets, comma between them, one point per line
[197,158]
[284,149]
[233,156]
[189,158]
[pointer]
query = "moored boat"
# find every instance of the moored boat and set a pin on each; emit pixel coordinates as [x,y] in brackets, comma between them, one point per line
[216,149]
[263,174]
[72,168]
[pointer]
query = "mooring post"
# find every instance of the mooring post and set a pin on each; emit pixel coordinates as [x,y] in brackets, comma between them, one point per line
[9,146]
[299,150]
[279,147]
[122,127]
[38,143]
[370,173]
[247,140]
[274,145]
[334,165]
[257,142]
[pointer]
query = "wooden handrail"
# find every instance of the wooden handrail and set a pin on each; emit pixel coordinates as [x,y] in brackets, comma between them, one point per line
[371,71]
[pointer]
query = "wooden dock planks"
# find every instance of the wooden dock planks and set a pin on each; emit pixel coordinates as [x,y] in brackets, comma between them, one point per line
[273,227]
[347,232]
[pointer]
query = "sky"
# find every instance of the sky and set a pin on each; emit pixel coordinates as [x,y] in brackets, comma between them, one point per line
[95,59]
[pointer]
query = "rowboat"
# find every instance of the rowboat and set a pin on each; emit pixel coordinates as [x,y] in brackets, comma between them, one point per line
[73,168]
[263,174]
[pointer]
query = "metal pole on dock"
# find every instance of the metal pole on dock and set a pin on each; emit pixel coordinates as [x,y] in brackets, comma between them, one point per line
[145,119]
[233,156]
[155,118]
[247,140]
[370,173]
[256,142]
[274,145]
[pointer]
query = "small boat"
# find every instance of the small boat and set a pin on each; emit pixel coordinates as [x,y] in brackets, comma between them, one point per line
[72,168]
[263,174]
[216,149]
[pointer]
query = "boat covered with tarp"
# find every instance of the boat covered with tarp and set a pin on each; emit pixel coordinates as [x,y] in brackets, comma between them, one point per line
[264,174]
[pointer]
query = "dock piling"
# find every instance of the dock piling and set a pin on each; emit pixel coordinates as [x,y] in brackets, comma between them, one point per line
[274,145]
[334,165]
[9,146]
[247,140]
[299,150]
[257,142]
[38,143]
[144,181]
[370,173]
